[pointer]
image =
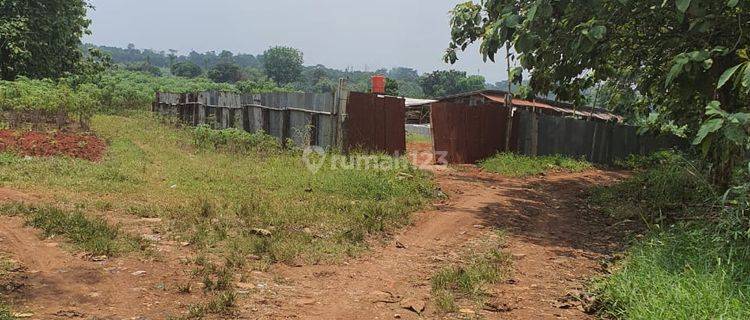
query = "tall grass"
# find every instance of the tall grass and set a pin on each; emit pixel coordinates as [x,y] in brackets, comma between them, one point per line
[688,266]
[215,198]
[514,165]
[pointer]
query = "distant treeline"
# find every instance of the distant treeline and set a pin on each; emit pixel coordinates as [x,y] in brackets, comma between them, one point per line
[226,66]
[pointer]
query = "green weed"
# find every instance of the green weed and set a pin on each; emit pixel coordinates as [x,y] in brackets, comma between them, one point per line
[93,235]
[665,185]
[469,280]
[681,273]
[689,266]
[5,313]
[514,165]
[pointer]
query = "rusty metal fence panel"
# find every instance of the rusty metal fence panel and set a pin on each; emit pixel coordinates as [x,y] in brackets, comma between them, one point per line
[468,133]
[375,123]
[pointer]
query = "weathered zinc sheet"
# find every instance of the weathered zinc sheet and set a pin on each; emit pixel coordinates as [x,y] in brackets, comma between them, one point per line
[595,141]
[305,118]
[468,133]
[375,123]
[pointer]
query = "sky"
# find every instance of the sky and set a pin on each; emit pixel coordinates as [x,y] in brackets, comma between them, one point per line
[364,35]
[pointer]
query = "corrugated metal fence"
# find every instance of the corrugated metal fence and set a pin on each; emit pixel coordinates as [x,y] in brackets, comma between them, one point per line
[305,118]
[468,133]
[471,133]
[598,142]
[375,123]
[340,120]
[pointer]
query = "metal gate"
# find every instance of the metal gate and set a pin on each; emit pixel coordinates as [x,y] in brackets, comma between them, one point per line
[375,123]
[469,133]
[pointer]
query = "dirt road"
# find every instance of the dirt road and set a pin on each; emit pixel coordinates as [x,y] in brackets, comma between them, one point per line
[556,241]
[557,244]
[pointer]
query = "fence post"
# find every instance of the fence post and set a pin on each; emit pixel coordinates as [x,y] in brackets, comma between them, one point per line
[338,134]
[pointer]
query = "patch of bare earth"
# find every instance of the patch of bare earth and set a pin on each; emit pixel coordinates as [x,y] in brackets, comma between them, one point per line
[556,241]
[52,282]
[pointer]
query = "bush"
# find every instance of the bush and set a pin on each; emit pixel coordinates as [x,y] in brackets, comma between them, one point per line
[41,100]
[695,261]
[234,140]
[665,185]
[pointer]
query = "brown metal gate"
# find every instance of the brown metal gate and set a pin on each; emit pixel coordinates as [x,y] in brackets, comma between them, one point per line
[468,133]
[375,123]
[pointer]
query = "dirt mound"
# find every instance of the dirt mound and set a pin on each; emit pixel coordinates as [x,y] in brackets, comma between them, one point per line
[48,144]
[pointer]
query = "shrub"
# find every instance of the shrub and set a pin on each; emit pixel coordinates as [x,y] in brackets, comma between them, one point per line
[234,140]
[665,185]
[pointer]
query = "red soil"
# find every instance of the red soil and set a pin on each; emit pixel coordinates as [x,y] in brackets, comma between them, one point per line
[48,144]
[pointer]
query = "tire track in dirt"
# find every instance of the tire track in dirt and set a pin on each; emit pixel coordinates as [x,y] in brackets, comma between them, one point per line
[557,244]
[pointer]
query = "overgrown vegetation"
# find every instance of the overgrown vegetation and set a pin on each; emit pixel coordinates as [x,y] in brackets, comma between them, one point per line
[514,165]
[92,235]
[234,140]
[694,263]
[468,281]
[227,204]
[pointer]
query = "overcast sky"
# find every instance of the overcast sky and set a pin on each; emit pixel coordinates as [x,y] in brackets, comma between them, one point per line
[337,33]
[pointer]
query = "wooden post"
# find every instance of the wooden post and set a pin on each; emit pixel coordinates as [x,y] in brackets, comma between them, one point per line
[341,98]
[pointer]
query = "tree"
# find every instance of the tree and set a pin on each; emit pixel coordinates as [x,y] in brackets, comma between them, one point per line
[283,64]
[41,39]
[444,83]
[391,87]
[680,56]
[403,74]
[227,72]
[186,69]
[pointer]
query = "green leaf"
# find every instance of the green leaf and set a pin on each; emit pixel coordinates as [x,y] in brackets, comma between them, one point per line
[735,134]
[727,75]
[714,108]
[707,128]
[683,5]
[598,32]
[532,12]
[732,3]
[675,71]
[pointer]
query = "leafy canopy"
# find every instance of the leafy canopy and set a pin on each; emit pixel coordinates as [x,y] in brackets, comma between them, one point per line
[186,69]
[41,39]
[283,64]
[443,83]
[678,55]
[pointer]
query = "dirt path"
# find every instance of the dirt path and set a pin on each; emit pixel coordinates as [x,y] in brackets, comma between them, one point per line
[53,283]
[556,242]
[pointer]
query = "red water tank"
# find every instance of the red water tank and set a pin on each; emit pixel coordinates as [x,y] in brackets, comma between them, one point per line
[378,84]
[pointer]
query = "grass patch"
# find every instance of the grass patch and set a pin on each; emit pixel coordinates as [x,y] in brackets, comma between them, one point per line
[664,186]
[688,266]
[93,235]
[680,273]
[418,138]
[468,280]
[214,197]
[514,165]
